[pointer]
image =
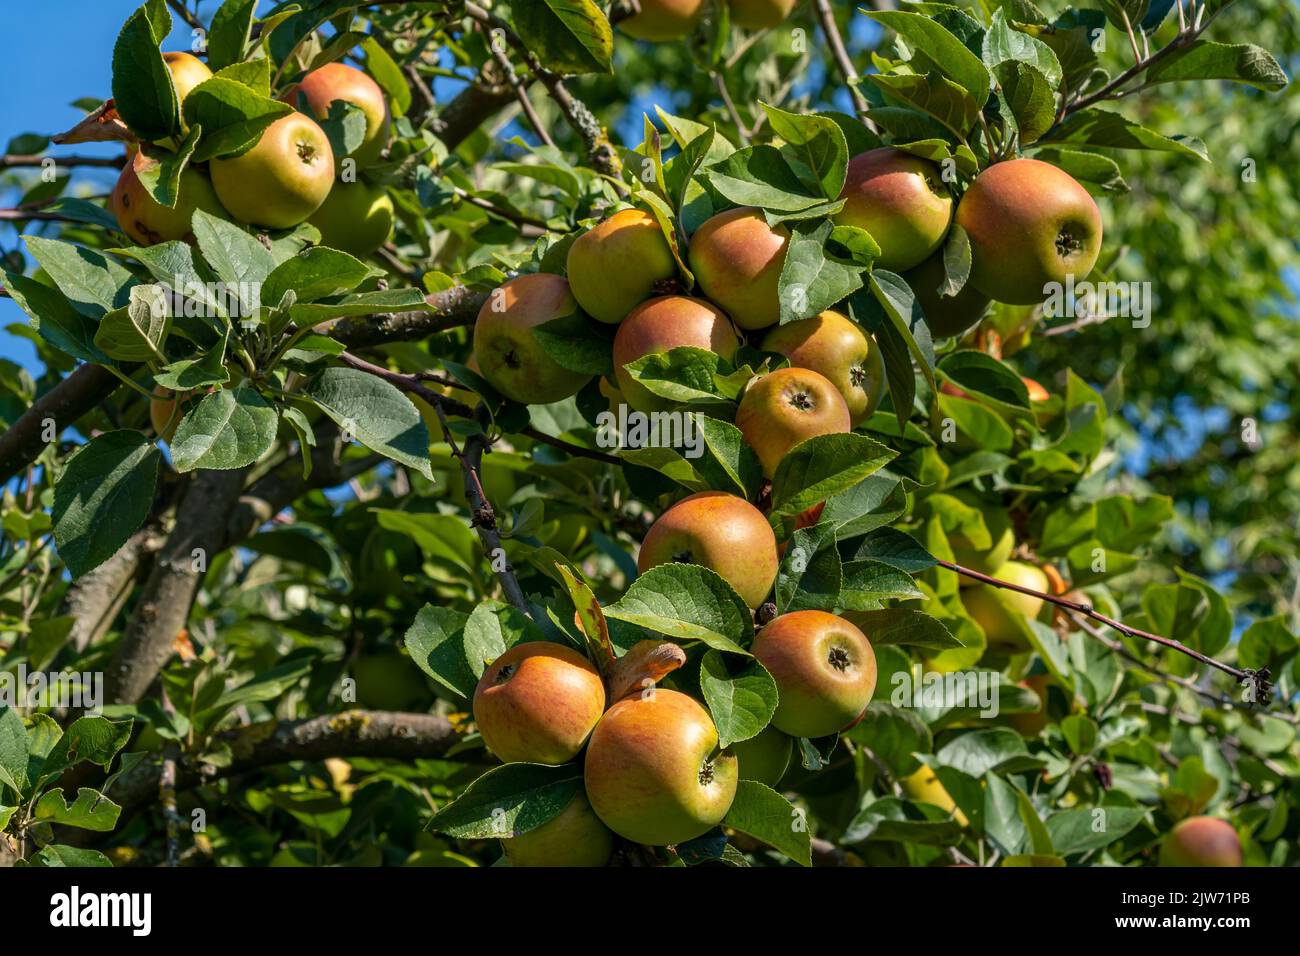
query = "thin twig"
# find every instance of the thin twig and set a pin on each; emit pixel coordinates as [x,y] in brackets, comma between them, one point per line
[826,17]
[741,130]
[27,160]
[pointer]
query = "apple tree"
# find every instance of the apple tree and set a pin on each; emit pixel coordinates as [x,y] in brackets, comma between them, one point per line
[671,432]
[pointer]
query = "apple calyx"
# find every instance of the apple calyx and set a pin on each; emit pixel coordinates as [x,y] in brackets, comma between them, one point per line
[838,658]
[802,401]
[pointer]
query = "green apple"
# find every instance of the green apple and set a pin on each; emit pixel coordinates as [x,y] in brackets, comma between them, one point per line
[356,218]
[766,757]
[280,181]
[575,837]
[999,612]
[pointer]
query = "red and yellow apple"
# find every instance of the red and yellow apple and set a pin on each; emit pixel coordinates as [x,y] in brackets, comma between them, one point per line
[663,19]
[718,531]
[538,703]
[148,221]
[824,668]
[759,14]
[901,200]
[786,407]
[660,325]
[508,352]
[737,260]
[338,81]
[1201,841]
[838,349]
[613,267]
[653,770]
[283,179]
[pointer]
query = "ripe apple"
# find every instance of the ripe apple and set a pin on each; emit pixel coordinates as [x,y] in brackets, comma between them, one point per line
[575,837]
[663,19]
[1029,224]
[737,258]
[187,71]
[338,81]
[838,349]
[661,324]
[944,315]
[978,557]
[166,409]
[654,774]
[759,14]
[994,609]
[538,702]
[718,531]
[390,681]
[1201,841]
[786,407]
[356,218]
[924,785]
[148,221]
[507,351]
[280,181]
[613,267]
[824,668]
[766,757]
[901,200]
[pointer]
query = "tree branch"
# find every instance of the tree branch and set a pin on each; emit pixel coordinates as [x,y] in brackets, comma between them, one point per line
[826,18]
[83,390]
[18,161]
[1257,678]
[353,733]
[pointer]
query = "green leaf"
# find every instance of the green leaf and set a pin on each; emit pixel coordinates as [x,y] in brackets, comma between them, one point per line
[1098,127]
[822,467]
[229,428]
[13,751]
[234,254]
[952,106]
[57,854]
[902,625]
[567,36]
[892,819]
[1086,829]
[360,303]
[316,273]
[136,332]
[811,280]
[435,641]
[95,739]
[1002,44]
[55,319]
[810,576]
[577,344]
[93,284]
[761,176]
[103,496]
[91,810]
[376,413]
[493,627]
[686,602]
[818,142]
[1207,60]
[232,116]
[142,85]
[509,800]
[229,33]
[942,47]
[1101,171]
[741,695]
[762,813]
[381,65]
[1029,98]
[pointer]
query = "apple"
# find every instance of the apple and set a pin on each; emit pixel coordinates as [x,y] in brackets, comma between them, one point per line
[924,785]
[994,609]
[390,681]
[663,19]
[508,352]
[1030,224]
[1201,841]
[786,407]
[148,221]
[759,14]
[166,409]
[721,532]
[944,315]
[538,702]
[737,259]
[613,267]
[901,200]
[575,837]
[356,218]
[838,349]
[338,81]
[824,668]
[765,757]
[660,325]
[280,181]
[653,771]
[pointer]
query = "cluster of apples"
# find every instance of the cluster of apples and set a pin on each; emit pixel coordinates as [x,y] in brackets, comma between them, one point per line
[653,772]
[290,176]
[661,20]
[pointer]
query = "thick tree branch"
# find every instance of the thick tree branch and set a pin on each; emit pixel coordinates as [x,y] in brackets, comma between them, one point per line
[469,109]
[66,402]
[354,733]
[96,598]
